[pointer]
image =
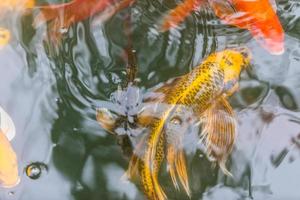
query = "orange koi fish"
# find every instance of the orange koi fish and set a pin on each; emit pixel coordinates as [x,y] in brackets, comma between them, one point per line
[257,16]
[9,176]
[64,15]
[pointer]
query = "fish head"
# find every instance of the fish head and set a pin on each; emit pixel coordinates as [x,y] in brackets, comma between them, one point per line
[232,62]
[9,176]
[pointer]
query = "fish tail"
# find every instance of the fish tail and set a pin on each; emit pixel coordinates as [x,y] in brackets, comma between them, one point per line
[178,14]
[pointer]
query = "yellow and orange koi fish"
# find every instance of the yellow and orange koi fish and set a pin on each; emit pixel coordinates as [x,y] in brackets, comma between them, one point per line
[257,16]
[205,91]
[9,176]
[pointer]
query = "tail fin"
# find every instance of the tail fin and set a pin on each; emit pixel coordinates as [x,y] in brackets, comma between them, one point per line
[219,129]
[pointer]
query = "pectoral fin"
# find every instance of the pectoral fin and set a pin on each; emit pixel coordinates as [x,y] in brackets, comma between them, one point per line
[107,120]
[218,131]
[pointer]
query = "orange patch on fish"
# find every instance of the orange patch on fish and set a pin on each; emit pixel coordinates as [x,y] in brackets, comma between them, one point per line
[9,176]
[4,37]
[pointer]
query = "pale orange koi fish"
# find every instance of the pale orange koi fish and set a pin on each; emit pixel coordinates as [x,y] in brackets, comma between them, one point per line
[77,10]
[9,176]
[257,16]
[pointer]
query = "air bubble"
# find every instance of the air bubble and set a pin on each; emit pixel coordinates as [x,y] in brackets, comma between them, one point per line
[35,170]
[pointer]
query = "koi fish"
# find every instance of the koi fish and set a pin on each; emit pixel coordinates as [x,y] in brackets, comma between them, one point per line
[204,90]
[66,14]
[257,16]
[9,176]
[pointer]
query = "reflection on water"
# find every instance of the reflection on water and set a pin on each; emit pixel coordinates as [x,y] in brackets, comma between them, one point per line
[52,91]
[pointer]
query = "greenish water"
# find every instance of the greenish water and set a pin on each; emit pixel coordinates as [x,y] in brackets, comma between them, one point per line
[52,93]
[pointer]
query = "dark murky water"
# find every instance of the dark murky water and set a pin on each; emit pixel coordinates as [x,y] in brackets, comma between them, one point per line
[52,94]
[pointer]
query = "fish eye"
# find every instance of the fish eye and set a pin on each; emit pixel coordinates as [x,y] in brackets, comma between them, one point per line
[176,120]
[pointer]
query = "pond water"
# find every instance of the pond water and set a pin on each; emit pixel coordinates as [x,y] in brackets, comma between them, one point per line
[52,92]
